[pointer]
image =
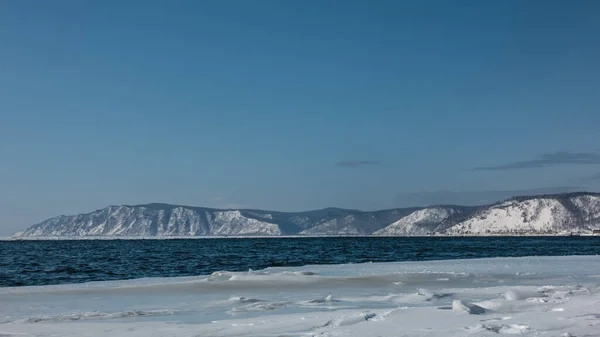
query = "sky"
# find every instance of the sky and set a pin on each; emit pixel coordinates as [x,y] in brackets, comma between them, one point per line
[294,105]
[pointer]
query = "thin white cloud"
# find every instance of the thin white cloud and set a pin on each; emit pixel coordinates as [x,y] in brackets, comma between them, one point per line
[548,160]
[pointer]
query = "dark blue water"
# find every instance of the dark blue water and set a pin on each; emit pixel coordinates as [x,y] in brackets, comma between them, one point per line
[25,263]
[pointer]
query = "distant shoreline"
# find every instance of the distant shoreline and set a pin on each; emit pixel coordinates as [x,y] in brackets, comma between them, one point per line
[83,238]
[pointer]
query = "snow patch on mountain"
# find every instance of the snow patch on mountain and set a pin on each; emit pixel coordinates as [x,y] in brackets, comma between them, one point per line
[542,216]
[234,223]
[589,207]
[421,222]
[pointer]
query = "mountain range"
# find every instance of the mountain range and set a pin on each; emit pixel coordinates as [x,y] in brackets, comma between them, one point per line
[556,214]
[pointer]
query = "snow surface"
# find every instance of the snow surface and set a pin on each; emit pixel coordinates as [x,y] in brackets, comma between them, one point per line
[530,296]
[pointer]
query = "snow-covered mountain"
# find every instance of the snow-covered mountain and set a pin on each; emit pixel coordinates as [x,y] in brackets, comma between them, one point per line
[425,221]
[170,220]
[155,220]
[547,214]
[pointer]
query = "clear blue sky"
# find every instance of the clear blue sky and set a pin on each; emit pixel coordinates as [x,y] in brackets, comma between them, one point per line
[293,105]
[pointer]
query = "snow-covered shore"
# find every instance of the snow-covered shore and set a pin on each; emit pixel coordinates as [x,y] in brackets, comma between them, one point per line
[530,296]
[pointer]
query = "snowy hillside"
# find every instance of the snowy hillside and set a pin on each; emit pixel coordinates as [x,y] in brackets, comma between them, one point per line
[355,223]
[557,214]
[548,214]
[422,222]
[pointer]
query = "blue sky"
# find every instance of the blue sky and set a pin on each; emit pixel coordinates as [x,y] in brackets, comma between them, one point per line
[293,105]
